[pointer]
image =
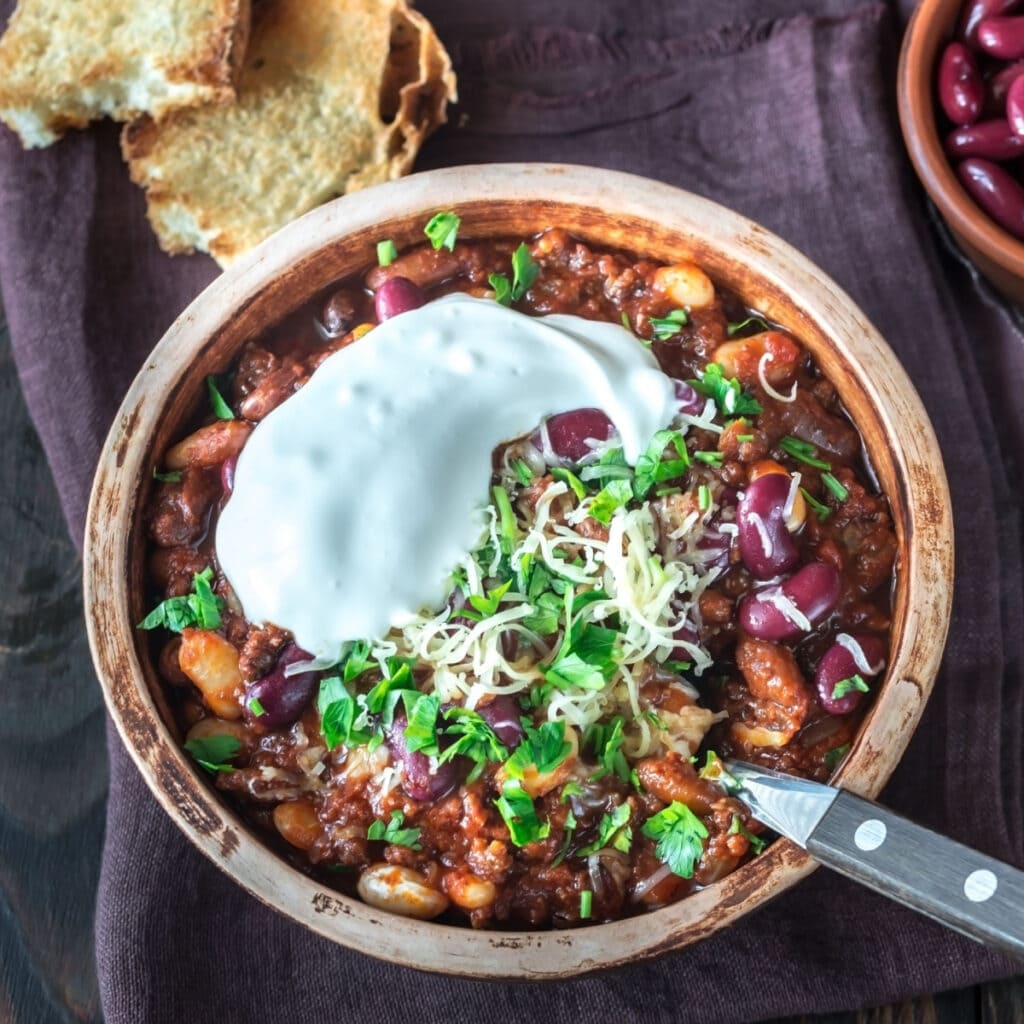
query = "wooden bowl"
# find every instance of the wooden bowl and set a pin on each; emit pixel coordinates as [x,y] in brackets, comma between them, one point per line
[994,251]
[608,209]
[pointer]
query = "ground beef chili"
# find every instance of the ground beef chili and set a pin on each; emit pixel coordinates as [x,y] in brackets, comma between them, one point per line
[763,499]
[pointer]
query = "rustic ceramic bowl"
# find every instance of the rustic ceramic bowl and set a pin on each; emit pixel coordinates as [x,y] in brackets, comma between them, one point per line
[995,252]
[608,209]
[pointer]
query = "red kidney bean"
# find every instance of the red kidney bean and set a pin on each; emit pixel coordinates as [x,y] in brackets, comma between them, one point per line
[1015,108]
[998,86]
[961,90]
[397,295]
[814,589]
[977,11]
[766,546]
[714,548]
[227,473]
[690,401]
[283,698]
[1002,37]
[688,635]
[994,140]
[422,777]
[995,191]
[568,433]
[503,716]
[839,663]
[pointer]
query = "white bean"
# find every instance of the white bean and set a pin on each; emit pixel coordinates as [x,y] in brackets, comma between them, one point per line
[400,890]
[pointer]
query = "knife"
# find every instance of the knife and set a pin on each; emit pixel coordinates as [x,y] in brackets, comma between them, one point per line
[976,895]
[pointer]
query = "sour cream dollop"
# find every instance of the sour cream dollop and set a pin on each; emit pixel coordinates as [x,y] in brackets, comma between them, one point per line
[354,499]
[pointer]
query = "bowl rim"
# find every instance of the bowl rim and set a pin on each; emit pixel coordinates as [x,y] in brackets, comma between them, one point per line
[915,96]
[925,571]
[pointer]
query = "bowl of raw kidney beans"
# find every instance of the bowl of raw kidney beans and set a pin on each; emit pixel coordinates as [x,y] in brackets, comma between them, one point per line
[961,100]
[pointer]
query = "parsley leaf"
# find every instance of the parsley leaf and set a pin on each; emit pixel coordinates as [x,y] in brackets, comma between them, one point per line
[393,832]
[729,396]
[221,409]
[679,838]
[757,844]
[614,495]
[566,476]
[443,229]
[715,771]
[502,288]
[474,739]
[214,752]
[605,740]
[524,273]
[544,749]
[569,825]
[850,685]
[342,720]
[668,326]
[172,476]
[484,607]
[386,253]
[516,808]
[835,755]
[822,511]
[613,831]
[650,469]
[751,321]
[421,711]
[508,527]
[200,609]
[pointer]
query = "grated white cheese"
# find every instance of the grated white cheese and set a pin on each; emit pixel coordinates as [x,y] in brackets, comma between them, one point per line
[859,657]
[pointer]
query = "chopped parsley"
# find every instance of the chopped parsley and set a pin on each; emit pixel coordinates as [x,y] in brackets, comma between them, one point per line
[613,830]
[486,606]
[605,740]
[341,718]
[652,467]
[172,476]
[421,711]
[571,480]
[386,253]
[221,409]
[714,770]
[757,844]
[679,838]
[835,487]
[751,321]
[524,273]
[543,748]
[586,904]
[200,609]
[508,528]
[614,495]
[516,809]
[474,739]
[835,755]
[727,393]
[443,229]
[665,327]
[803,451]
[587,657]
[822,511]
[854,684]
[393,832]
[569,825]
[214,753]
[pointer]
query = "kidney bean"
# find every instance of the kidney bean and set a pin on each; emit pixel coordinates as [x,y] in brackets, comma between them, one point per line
[502,714]
[961,90]
[814,590]
[766,546]
[690,401]
[998,86]
[1015,107]
[340,313]
[1002,37]
[422,777]
[995,191]
[688,635]
[994,140]
[283,698]
[568,433]
[397,295]
[839,663]
[227,473]
[977,11]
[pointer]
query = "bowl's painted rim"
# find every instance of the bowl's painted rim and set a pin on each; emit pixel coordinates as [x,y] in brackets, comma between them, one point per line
[925,572]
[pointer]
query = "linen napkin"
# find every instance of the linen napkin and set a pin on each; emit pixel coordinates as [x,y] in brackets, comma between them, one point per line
[781,109]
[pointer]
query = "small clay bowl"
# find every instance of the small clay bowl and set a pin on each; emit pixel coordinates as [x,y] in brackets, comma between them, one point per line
[994,251]
[606,209]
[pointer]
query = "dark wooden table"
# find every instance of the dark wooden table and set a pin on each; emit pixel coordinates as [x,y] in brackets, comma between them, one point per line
[53,766]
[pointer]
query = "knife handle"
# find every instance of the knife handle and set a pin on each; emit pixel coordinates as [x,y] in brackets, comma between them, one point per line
[977,895]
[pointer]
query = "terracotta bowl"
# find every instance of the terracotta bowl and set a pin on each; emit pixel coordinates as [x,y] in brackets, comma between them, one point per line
[995,252]
[607,209]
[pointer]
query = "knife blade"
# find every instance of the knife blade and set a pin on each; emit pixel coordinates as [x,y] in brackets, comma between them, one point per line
[961,888]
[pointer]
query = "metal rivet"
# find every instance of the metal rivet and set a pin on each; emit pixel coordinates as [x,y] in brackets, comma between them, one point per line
[980,885]
[870,834]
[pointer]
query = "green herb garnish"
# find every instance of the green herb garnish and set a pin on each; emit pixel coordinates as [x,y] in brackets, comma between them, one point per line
[587,657]
[744,437]
[835,487]
[728,394]
[835,755]
[421,711]
[710,458]
[757,844]
[200,609]
[571,480]
[516,809]
[605,740]
[543,748]
[614,831]
[508,528]
[474,739]
[714,770]
[386,253]
[665,327]
[393,832]
[804,452]
[733,329]
[854,683]
[614,495]
[484,607]
[221,409]
[443,229]
[524,273]
[704,497]
[342,720]
[652,468]
[215,753]
[172,476]
[822,511]
[257,708]
[523,472]
[679,838]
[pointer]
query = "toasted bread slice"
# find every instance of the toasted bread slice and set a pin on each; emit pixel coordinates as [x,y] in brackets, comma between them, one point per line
[63,63]
[335,95]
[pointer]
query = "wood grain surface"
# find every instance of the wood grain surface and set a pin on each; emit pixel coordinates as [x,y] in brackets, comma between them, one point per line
[53,771]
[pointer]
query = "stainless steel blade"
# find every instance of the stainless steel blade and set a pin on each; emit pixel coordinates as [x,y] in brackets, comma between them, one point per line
[792,807]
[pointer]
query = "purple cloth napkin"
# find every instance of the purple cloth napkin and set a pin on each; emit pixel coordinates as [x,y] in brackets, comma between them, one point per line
[785,115]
